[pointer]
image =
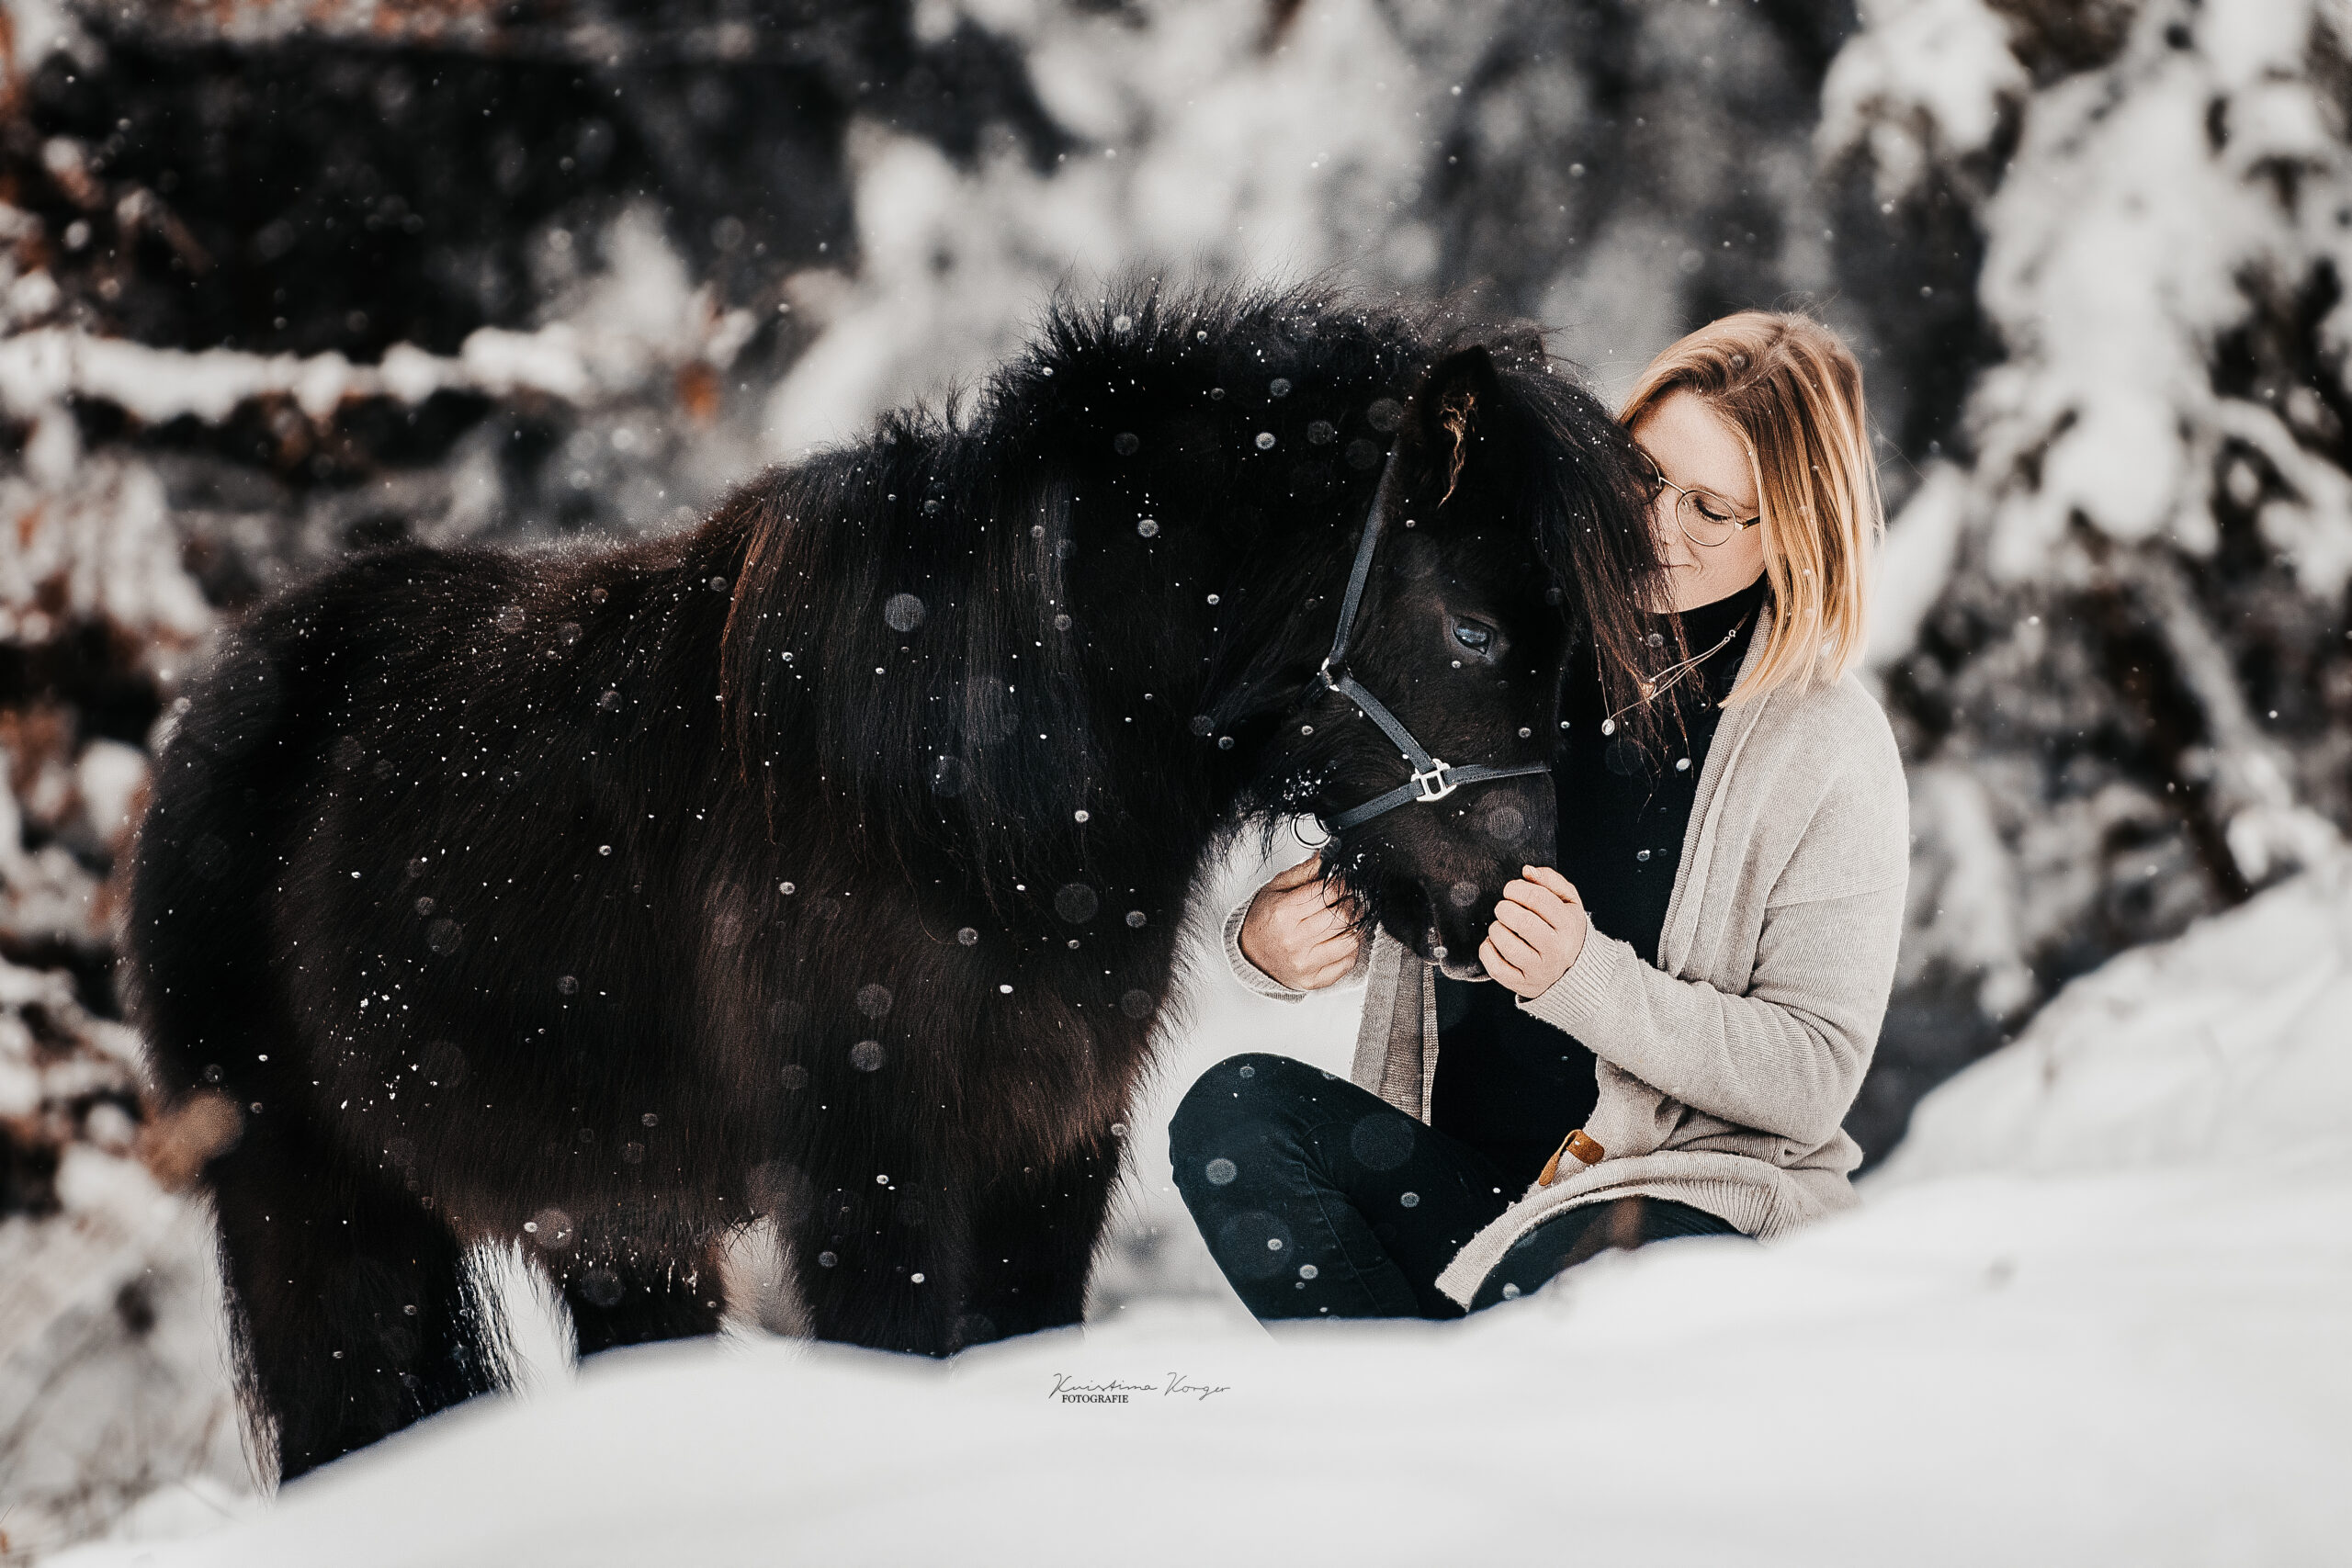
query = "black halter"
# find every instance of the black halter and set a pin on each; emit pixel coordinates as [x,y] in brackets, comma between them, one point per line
[1431,779]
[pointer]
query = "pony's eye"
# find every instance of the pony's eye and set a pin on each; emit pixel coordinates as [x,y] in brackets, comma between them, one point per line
[1475,637]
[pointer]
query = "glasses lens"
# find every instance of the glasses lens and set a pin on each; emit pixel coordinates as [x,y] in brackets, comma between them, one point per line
[1704,519]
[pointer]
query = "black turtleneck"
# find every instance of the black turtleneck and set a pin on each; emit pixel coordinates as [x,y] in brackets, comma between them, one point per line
[1509,1084]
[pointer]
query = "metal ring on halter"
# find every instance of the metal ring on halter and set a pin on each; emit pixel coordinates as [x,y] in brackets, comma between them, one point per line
[1424,789]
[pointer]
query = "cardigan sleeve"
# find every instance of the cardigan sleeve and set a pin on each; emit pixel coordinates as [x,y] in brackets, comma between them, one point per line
[1787,1056]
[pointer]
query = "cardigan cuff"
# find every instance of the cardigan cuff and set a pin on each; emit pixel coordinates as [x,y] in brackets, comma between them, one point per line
[1574,999]
[1248,974]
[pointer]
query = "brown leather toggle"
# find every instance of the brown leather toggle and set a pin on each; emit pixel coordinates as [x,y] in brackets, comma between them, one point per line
[1585,1151]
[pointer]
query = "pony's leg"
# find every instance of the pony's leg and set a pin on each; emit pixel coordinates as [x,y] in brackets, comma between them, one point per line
[642,1299]
[354,1309]
[879,1266]
[1034,1235]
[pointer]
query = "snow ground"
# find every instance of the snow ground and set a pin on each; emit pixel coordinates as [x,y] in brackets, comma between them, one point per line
[2094,1312]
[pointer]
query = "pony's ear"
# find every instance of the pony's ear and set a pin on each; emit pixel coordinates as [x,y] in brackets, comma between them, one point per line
[1442,423]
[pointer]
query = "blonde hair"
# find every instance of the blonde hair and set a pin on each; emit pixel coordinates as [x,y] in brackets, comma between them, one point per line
[1793,391]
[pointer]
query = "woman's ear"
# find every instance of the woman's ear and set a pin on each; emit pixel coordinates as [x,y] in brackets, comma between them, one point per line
[1445,422]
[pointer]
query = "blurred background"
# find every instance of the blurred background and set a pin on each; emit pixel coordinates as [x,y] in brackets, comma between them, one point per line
[281,280]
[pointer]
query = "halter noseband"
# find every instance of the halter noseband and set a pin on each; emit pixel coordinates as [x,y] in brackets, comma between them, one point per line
[1431,779]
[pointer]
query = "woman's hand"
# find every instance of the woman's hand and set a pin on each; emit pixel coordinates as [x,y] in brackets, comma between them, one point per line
[1300,932]
[1538,933]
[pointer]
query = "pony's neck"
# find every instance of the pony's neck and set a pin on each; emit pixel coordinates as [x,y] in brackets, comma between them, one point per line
[1195,668]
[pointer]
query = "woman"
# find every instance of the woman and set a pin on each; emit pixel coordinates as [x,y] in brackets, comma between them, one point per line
[1680,1012]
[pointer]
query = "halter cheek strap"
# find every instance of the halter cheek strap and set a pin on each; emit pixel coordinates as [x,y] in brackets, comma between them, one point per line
[1429,778]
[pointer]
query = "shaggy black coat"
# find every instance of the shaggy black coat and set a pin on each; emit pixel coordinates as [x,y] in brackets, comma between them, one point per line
[825,860]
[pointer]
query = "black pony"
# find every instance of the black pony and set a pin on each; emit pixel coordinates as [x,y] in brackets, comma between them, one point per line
[825,860]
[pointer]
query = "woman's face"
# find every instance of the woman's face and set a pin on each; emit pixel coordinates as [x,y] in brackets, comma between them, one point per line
[1697,448]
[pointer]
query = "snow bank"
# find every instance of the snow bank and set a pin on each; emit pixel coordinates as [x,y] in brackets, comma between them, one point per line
[2228,1045]
[2093,1315]
[2087,1370]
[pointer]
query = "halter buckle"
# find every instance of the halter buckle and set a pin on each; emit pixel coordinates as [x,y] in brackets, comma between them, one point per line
[1433,785]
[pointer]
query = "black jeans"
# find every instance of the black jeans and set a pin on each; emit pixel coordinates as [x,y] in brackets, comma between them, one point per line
[1321,1200]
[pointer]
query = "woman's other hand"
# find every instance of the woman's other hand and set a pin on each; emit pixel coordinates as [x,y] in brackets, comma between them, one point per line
[1300,932]
[1538,933]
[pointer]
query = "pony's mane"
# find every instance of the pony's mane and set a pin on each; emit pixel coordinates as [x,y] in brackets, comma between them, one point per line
[979,739]
[893,614]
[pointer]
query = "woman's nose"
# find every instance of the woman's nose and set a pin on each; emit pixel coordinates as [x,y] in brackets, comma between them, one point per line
[1670,543]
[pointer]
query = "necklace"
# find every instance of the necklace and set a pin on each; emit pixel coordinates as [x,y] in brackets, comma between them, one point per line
[1671,676]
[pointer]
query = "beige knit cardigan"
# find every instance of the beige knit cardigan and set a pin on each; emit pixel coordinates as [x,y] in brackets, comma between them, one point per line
[1726,1067]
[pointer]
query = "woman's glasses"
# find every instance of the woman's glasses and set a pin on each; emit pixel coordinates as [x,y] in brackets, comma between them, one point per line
[1705,518]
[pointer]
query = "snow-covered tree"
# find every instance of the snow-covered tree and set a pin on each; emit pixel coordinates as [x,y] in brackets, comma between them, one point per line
[2114,619]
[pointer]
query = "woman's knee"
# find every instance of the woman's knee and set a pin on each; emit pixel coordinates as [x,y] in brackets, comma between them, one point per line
[1243,1087]
[1248,1100]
